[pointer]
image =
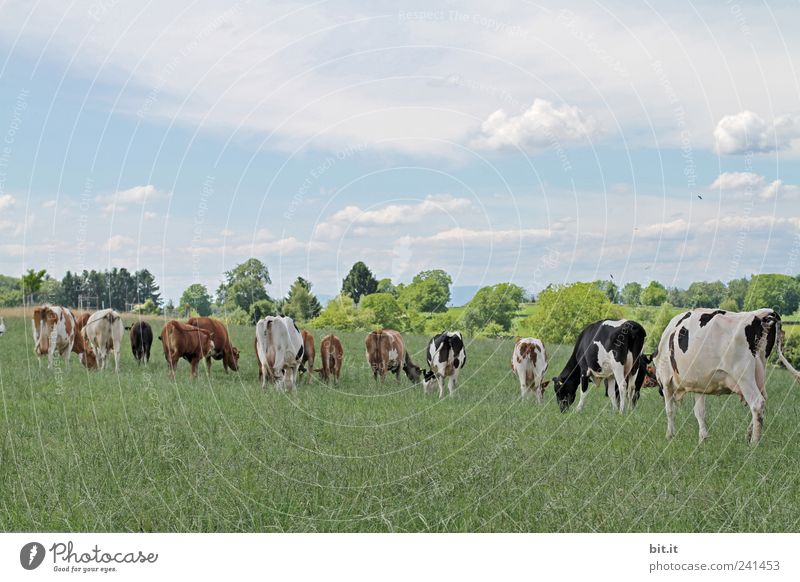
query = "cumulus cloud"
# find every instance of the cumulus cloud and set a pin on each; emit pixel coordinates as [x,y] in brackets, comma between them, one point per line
[7,202]
[487,236]
[542,125]
[748,132]
[360,220]
[674,229]
[119,242]
[749,184]
[119,201]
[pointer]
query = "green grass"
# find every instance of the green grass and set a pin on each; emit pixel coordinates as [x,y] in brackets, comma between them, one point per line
[138,452]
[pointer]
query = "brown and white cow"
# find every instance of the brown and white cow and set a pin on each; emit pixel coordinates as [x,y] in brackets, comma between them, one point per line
[712,351]
[85,353]
[223,348]
[386,352]
[53,330]
[279,348]
[180,340]
[103,333]
[529,363]
[309,353]
[81,319]
[332,355]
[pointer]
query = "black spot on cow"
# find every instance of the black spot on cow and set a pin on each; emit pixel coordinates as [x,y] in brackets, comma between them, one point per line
[771,320]
[706,317]
[753,332]
[672,361]
[683,318]
[683,339]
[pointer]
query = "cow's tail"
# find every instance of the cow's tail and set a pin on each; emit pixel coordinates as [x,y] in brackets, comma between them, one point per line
[376,347]
[782,358]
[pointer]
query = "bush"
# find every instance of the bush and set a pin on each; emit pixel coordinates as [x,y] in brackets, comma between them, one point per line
[448,321]
[147,308]
[729,304]
[236,316]
[791,349]
[491,330]
[385,308]
[654,330]
[342,314]
[564,310]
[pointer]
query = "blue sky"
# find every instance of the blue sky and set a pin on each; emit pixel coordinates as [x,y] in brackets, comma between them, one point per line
[517,141]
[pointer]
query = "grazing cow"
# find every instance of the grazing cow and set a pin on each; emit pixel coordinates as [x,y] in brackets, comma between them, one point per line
[386,352]
[103,333]
[53,330]
[712,351]
[529,362]
[279,348]
[141,341]
[332,354]
[81,320]
[606,350]
[223,348]
[85,353]
[309,352]
[446,356]
[180,340]
[2,326]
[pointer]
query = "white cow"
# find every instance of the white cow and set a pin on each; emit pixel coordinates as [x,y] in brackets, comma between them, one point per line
[711,351]
[103,332]
[53,330]
[529,363]
[2,326]
[279,347]
[446,356]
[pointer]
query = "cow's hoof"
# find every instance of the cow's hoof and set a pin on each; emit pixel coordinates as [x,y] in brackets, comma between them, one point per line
[703,436]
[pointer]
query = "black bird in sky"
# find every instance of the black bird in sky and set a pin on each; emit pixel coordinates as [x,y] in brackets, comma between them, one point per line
[700,197]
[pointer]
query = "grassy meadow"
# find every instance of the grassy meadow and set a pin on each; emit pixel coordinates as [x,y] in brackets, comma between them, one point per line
[136,451]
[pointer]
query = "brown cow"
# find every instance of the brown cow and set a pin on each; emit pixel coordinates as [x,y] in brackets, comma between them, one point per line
[386,352]
[185,341]
[53,331]
[223,349]
[82,319]
[309,352]
[84,350]
[332,354]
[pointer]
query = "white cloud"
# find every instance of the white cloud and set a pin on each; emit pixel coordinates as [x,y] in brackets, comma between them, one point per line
[7,202]
[361,220]
[674,229]
[542,125]
[749,184]
[119,201]
[486,236]
[119,242]
[150,215]
[49,203]
[747,132]
[282,246]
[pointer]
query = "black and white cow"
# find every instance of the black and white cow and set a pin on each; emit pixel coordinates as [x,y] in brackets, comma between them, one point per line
[606,350]
[446,356]
[712,351]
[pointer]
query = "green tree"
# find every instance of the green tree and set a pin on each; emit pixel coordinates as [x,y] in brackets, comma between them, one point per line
[262,308]
[385,308]
[495,304]
[609,288]
[704,294]
[429,291]
[564,310]
[10,291]
[631,293]
[778,292]
[386,286]
[737,291]
[677,297]
[51,291]
[359,282]
[654,331]
[654,294]
[244,285]
[301,304]
[729,304]
[342,314]
[146,287]
[447,321]
[32,281]
[197,298]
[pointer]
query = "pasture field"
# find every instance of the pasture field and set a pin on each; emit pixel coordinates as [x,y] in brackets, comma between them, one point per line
[93,451]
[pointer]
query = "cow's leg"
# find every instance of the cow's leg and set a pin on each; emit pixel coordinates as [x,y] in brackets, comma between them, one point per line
[65,355]
[51,355]
[755,400]
[584,389]
[172,363]
[539,392]
[611,392]
[194,361]
[622,387]
[208,365]
[451,384]
[116,358]
[700,415]
[669,408]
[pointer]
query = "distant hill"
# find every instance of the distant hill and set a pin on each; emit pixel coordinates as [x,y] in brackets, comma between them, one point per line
[460,295]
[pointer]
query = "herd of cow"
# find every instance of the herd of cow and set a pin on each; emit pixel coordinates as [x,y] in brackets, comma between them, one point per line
[703,351]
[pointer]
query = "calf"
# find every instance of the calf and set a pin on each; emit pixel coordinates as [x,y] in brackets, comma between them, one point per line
[309,353]
[712,351]
[332,355]
[605,350]
[446,356]
[53,331]
[180,340]
[279,348]
[103,333]
[529,362]
[141,341]
[223,348]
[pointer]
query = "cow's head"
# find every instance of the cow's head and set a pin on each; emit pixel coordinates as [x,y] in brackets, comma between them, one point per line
[47,323]
[234,363]
[565,388]
[413,372]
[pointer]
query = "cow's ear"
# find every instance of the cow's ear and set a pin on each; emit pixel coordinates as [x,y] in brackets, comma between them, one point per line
[545,384]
